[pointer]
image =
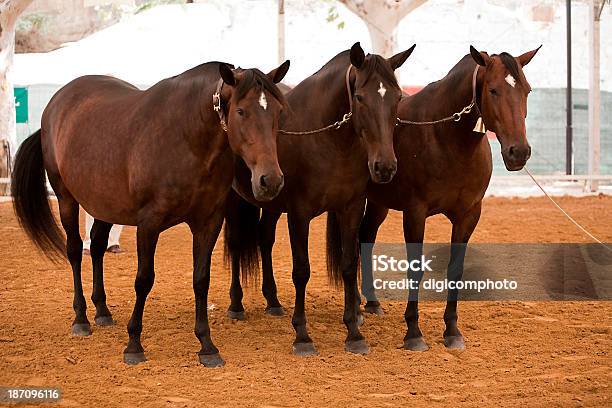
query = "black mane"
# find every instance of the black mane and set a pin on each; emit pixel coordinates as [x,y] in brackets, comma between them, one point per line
[373,63]
[376,63]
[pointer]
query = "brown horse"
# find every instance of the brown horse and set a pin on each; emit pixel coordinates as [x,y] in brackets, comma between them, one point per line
[445,168]
[326,169]
[153,159]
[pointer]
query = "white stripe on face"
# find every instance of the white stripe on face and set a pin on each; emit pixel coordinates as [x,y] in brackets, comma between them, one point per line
[263,102]
[510,80]
[382,91]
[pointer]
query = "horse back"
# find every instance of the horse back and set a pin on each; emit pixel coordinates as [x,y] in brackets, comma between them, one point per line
[90,137]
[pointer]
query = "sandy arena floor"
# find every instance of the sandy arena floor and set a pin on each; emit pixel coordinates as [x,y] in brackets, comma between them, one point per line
[529,353]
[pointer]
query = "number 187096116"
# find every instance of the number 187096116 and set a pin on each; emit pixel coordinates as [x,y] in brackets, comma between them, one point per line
[29,394]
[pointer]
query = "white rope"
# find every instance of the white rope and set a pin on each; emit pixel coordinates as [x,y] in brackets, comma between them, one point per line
[566,214]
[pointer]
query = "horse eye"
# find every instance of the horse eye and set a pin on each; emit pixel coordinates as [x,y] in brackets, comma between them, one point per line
[493,91]
[359,98]
[240,111]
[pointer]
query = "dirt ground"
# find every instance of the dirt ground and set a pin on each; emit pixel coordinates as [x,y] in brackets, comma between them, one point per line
[552,354]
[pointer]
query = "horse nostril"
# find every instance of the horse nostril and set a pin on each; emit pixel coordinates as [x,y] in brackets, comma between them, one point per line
[512,151]
[262,181]
[377,167]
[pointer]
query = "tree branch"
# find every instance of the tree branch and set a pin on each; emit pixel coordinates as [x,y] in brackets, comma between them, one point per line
[10,10]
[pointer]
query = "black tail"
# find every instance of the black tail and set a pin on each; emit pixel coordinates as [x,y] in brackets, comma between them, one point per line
[240,236]
[334,250]
[29,191]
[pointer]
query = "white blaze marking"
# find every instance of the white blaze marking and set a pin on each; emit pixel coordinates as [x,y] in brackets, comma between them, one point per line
[262,101]
[510,80]
[382,91]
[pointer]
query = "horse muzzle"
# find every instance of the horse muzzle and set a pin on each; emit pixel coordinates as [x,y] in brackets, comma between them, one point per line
[383,172]
[516,156]
[267,186]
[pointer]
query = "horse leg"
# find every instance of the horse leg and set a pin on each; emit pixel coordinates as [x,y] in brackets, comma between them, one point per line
[463,227]
[348,222]
[99,241]
[235,310]
[414,231]
[146,237]
[69,215]
[374,216]
[240,246]
[298,234]
[267,236]
[204,239]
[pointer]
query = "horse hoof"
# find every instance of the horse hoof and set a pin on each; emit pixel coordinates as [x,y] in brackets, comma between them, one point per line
[373,308]
[275,311]
[357,347]
[81,329]
[236,315]
[211,360]
[134,358]
[360,319]
[305,349]
[454,342]
[416,344]
[104,321]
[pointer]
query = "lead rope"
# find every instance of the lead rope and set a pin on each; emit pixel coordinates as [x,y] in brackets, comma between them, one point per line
[565,213]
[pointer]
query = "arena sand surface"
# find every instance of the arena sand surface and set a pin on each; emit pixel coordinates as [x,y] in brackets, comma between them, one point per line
[528,353]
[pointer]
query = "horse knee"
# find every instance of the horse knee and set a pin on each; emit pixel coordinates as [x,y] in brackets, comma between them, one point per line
[144,283]
[201,283]
[300,275]
[97,250]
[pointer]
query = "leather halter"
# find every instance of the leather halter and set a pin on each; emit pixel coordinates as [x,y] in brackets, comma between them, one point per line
[216,98]
[474,79]
[348,88]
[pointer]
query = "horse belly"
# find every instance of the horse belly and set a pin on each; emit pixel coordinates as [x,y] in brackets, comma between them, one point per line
[103,191]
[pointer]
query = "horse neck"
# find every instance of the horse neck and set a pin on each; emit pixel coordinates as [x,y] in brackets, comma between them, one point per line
[320,100]
[455,93]
[201,124]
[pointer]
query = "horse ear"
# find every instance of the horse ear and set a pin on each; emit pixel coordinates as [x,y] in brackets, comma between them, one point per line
[227,74]
[277,75]
[357,55]
[398,60]
[481,58]
[526,57]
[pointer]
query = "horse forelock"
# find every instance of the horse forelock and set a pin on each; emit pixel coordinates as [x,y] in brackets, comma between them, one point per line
[376,64]
[513,68]
[255,79]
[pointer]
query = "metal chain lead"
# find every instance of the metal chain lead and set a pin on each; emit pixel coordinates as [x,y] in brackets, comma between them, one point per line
[456,117]
[335,125]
